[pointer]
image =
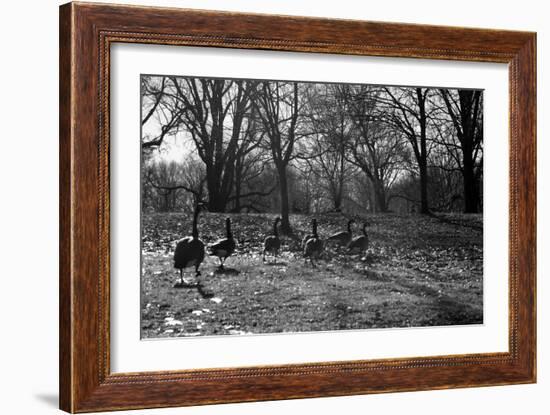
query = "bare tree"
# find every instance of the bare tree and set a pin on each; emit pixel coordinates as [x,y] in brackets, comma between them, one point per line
[376,148]
[445,186]
[213,114]
[158,108]
[465,109]
[250,165]
[366,146]
[328,118]
[278,108]
[410,116]
[164,180]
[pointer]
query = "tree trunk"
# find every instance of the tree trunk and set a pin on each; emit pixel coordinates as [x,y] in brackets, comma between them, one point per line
[341,178]
[238,179]
[424,209]
[423,162]
[465,117]
[336,195]
[471,195]
[216,200]
[380,202]
[237,207]
[283,186]
[338,202]
[216,203]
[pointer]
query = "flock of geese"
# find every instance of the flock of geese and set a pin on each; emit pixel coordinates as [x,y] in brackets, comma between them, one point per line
[190,251]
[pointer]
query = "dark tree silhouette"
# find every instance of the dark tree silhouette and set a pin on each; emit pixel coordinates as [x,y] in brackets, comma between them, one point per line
[156,101]
[213,114]
[322,147]
[277,104]
[411,118]
[328,119]
[465,110]
[374,148]
[250,165]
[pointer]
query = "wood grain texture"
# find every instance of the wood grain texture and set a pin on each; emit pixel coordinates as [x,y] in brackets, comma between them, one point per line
[65,247]
[86,33]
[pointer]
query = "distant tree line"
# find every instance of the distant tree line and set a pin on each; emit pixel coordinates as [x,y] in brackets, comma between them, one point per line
[278,146]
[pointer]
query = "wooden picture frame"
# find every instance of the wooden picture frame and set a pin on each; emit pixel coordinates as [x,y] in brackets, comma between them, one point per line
[86,33]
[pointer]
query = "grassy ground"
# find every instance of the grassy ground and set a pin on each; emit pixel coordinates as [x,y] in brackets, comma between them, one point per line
[418,271]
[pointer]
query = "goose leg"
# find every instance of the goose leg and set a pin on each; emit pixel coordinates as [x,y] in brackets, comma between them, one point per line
[263,259]
[181,276]
[197,272]
[221,262]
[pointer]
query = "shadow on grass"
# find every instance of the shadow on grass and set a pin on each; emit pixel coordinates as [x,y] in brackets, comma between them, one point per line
[186,284]
[449,310]
[456,222]
[197,285]
[204,293]
[227,271]
[276,263]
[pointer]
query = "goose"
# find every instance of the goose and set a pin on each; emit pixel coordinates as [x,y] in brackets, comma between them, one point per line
[307,236]
[223,248]
[361,242]
[314,245]
[342,238]
[190,250]
[272,243]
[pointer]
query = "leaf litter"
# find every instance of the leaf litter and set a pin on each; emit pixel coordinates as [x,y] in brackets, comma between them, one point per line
[418,271]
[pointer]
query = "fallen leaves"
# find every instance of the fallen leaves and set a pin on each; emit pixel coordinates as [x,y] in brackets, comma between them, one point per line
[417,271]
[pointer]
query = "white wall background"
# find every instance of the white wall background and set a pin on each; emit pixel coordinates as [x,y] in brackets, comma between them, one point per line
[29,207]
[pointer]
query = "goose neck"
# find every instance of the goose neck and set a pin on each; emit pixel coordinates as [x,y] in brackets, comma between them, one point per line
[228,229]
[195,220]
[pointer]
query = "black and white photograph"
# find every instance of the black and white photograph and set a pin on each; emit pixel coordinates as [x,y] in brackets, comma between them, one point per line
[284,206]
